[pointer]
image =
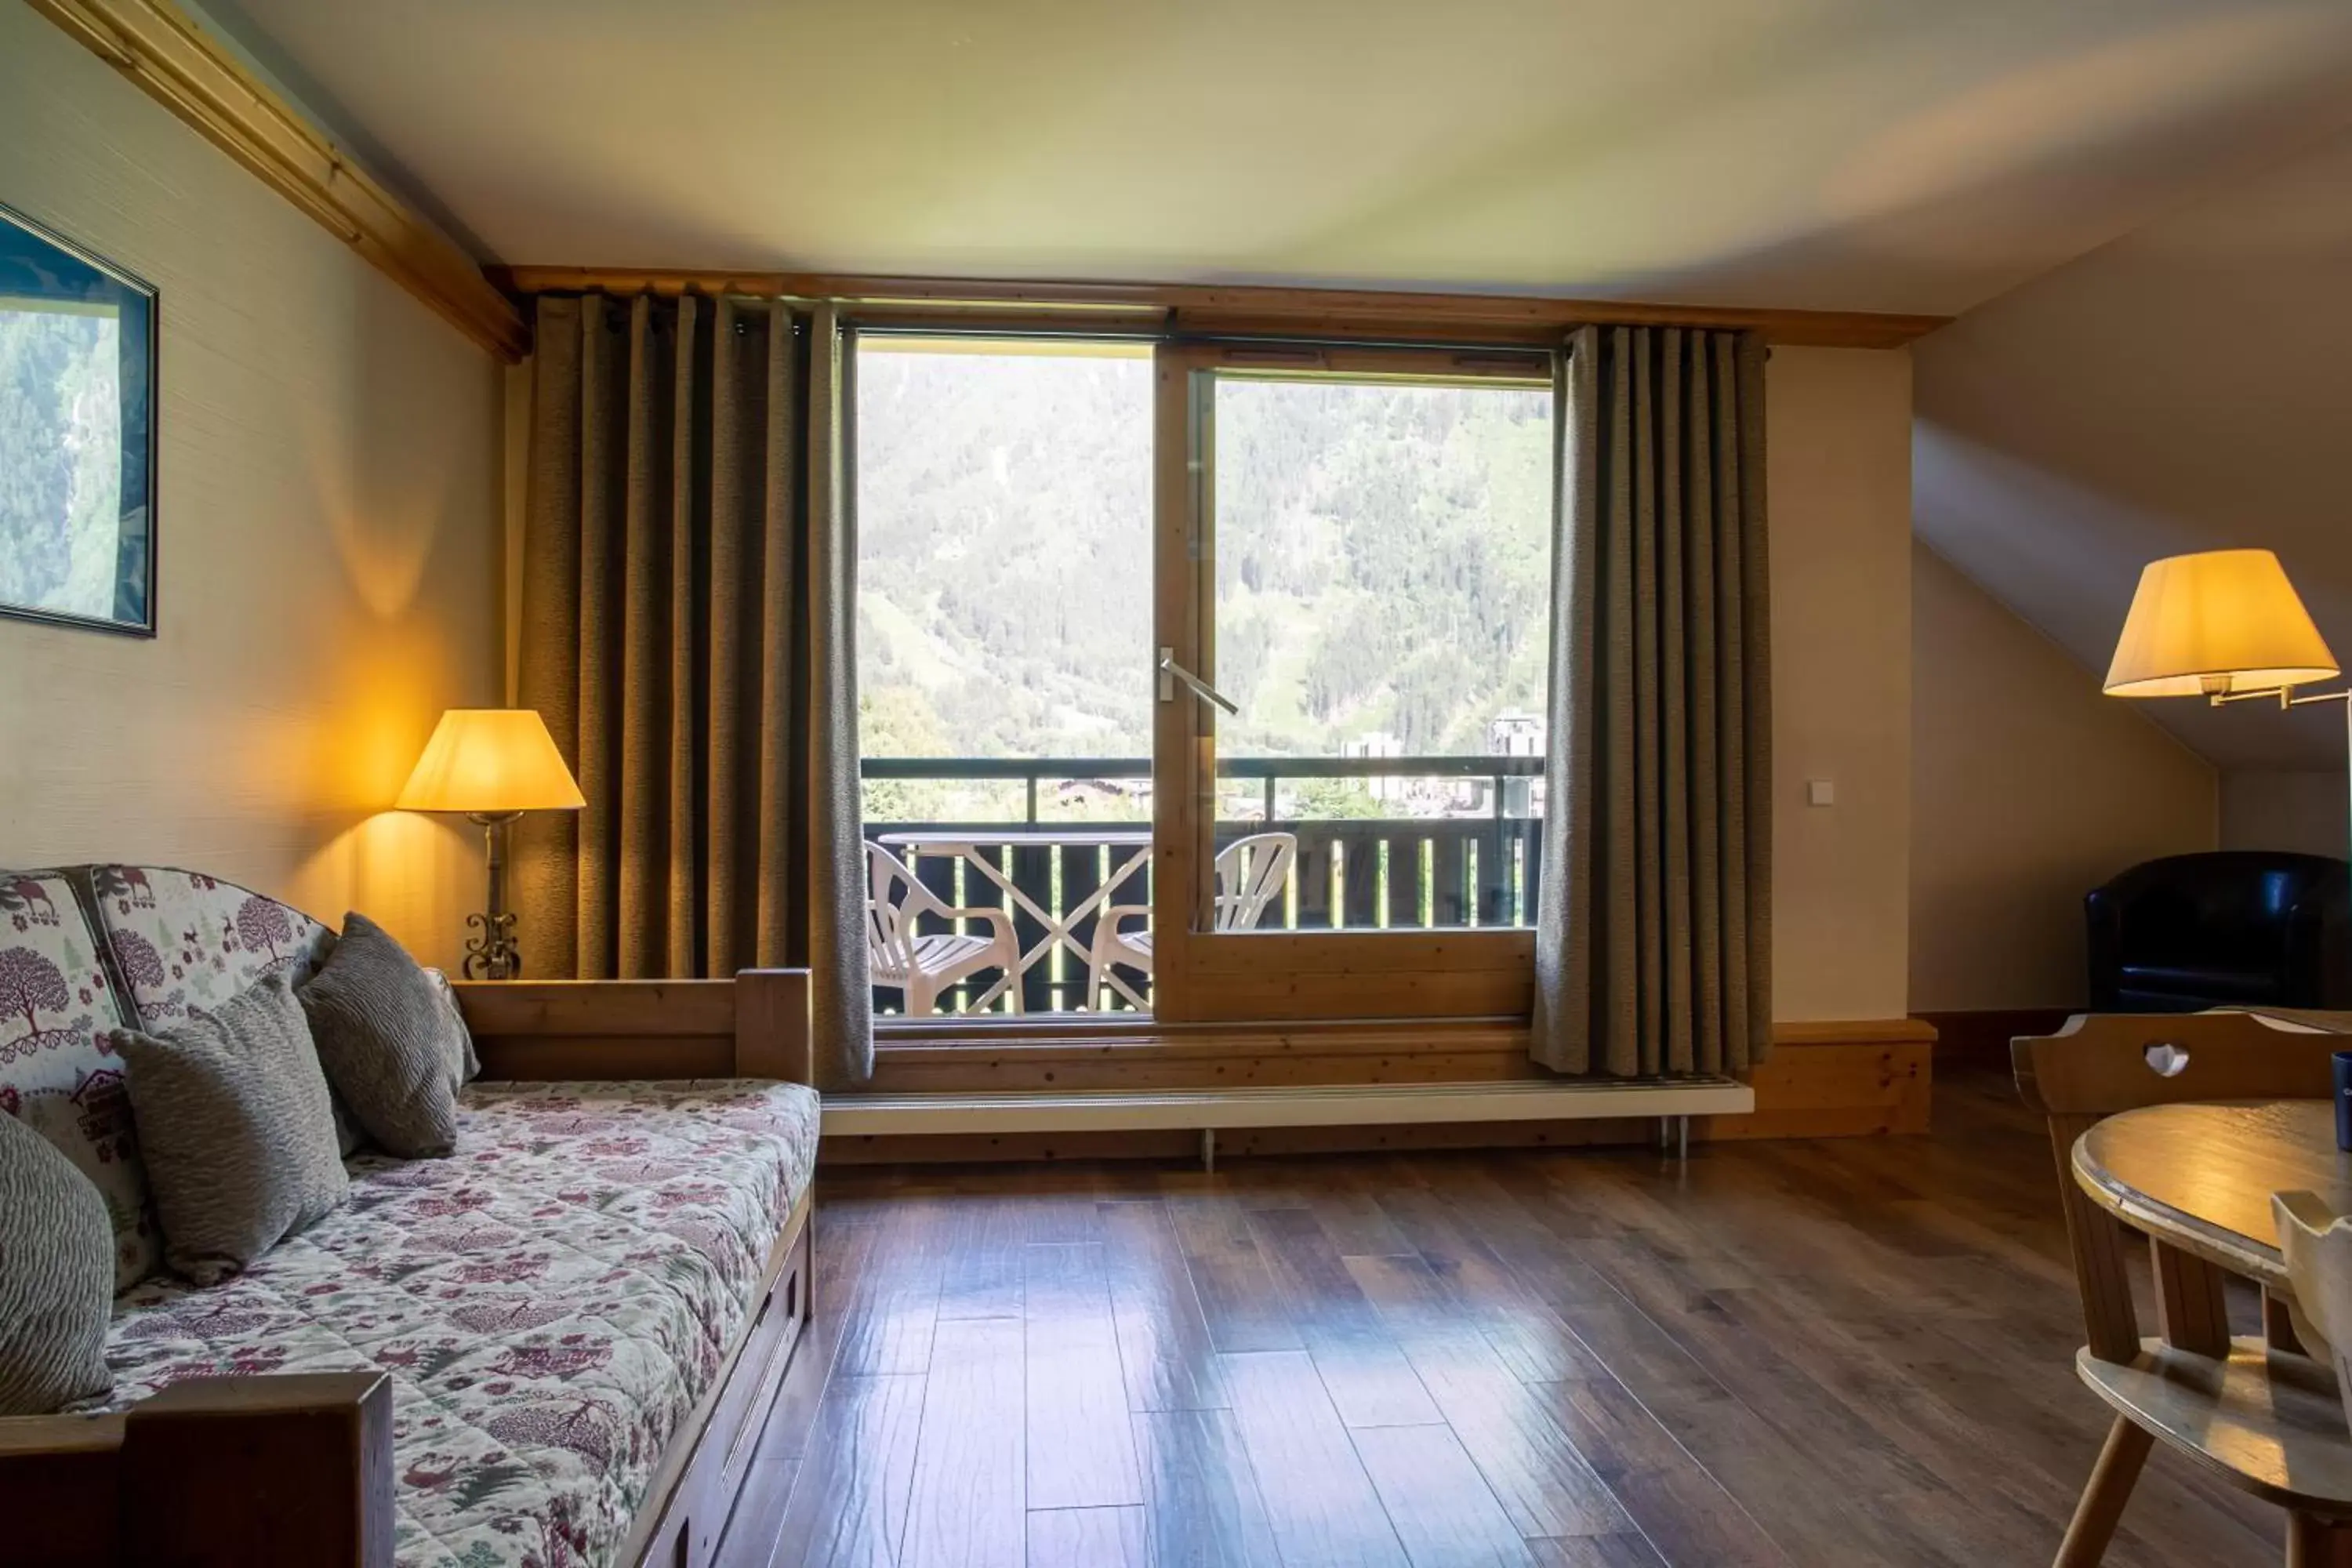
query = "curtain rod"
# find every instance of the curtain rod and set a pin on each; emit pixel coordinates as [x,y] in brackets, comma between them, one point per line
[1515,320]
[895,325]
[1110,333]
[1487,349]
[1106,333]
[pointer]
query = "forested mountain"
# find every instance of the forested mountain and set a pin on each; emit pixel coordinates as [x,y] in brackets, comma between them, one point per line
[60,460]
[1383,558]
[1004,553]
[1383,562]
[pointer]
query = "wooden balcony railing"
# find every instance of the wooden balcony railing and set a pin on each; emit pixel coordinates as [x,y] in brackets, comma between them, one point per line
[1477,864]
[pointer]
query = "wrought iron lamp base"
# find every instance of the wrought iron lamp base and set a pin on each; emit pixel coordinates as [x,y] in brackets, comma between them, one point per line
[492,953]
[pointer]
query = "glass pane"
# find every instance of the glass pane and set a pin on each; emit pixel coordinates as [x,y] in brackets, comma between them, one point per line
[1005,662]
[1383,620]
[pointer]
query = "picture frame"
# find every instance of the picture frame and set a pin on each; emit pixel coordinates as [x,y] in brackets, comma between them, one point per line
[77,434]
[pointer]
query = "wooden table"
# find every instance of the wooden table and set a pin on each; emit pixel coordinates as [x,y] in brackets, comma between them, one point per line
[975,848]
[2199,1178]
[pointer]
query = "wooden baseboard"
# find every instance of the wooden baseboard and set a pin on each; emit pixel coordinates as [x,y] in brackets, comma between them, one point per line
[1838,1079]
[1845,1079]
[1980,1036]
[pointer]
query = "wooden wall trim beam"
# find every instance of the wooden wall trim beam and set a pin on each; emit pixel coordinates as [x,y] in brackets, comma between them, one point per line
[1234,308]
[183,67]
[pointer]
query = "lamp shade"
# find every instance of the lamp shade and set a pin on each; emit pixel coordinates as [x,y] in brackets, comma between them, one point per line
[2223,620]
[492,760]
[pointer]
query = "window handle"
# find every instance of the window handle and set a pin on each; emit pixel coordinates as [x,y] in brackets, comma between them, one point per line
[1170,672]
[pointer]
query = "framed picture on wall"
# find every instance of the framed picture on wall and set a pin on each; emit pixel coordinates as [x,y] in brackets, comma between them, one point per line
[77,435]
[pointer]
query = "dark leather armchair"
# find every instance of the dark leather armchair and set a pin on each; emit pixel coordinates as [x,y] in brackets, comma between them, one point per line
[2232,928]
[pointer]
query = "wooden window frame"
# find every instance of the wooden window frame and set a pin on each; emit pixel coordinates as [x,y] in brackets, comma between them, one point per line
[1207,977]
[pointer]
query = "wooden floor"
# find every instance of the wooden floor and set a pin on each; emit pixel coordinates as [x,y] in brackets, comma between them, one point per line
[1809,1354]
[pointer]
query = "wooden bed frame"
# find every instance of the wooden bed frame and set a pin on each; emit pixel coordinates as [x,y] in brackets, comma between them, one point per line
[296,1470]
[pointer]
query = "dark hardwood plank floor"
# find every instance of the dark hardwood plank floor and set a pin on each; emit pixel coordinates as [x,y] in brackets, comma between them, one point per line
[1790,1354]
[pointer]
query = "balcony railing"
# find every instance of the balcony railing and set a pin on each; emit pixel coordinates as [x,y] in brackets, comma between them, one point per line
[1457,847]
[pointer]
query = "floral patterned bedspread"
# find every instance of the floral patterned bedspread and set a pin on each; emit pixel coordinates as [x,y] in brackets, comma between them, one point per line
[550,1301]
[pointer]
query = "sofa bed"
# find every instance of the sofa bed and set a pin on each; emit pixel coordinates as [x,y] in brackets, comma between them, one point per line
[554,1348]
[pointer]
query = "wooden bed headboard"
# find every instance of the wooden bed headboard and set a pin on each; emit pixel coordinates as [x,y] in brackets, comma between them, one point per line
[754,1025]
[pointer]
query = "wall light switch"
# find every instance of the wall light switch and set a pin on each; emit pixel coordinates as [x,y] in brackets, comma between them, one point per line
[1820,791]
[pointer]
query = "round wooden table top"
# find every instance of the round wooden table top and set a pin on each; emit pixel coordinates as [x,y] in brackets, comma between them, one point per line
[2201,1176]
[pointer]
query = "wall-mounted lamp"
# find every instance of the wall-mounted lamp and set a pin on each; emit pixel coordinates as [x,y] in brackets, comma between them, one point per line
[493,764]
[2226,625]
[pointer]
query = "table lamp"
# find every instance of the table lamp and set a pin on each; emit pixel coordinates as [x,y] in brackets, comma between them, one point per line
[493,764]
[2223,625]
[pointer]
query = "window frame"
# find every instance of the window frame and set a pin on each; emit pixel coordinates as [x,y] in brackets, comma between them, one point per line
[1206,976]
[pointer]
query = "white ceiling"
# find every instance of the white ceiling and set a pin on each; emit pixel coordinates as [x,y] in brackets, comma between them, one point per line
[2184,388]
[1859,154]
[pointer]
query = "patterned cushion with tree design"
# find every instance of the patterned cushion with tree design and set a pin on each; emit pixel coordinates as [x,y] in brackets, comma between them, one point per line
[58,1075]
[183,939]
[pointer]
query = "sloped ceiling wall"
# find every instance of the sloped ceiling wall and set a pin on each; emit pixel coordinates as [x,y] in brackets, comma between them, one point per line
[1849,154]
[2028,789]
[2185,387]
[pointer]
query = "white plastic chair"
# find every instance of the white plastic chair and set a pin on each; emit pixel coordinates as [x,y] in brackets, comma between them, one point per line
[923,965]
[1251,874]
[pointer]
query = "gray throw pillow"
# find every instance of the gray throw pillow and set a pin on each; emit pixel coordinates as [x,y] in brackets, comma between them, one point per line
[238,1133]
[465,1067]
[57,1276]
[384,1036]
[348,1141]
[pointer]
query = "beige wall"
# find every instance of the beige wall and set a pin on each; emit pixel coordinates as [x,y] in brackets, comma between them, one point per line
[1840,474]
[2304,810]
[328,517]
[2180,389]
[2029,788]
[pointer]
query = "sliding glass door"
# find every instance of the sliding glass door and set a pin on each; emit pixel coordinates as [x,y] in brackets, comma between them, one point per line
[1202,681]
[1353,612]
[1003,496]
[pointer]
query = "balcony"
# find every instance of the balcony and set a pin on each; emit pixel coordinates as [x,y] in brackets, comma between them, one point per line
[1383,844]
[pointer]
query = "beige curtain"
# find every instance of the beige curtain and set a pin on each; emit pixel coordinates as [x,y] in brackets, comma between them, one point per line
[1654,929]
[687,616]
[837,879]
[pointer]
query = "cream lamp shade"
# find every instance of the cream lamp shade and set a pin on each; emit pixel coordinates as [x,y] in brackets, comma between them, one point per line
[2217,621]
[491,761]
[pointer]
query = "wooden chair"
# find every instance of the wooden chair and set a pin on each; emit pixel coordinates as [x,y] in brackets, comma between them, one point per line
[2263,1416]
[1251,874]
[924,964]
